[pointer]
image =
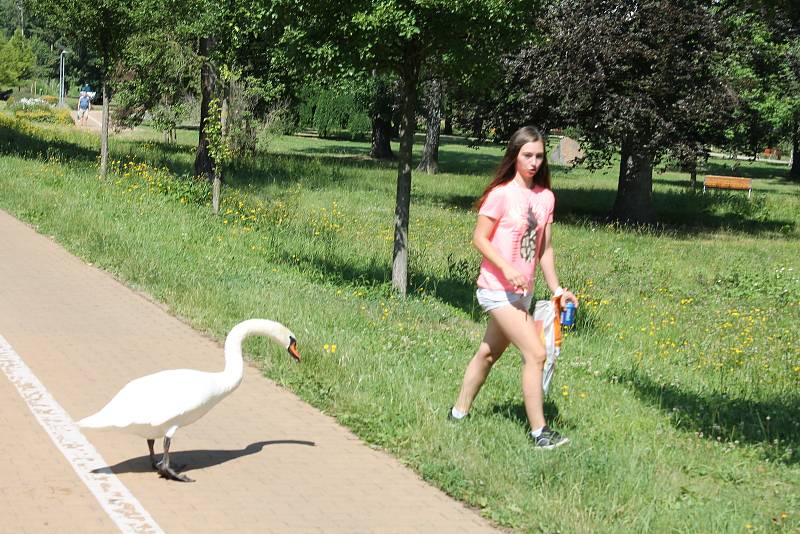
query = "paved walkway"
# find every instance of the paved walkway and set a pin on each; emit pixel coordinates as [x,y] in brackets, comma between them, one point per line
[264,460]
[94,119]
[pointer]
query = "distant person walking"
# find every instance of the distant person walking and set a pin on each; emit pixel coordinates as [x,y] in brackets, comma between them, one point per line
[515,213]
[84,106]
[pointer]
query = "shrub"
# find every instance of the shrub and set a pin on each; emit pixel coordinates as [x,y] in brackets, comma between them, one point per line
[30,104]
[358,123]
[277,121]
[244,96]
[166,118]
[338,110]
[51,115]
[50,99]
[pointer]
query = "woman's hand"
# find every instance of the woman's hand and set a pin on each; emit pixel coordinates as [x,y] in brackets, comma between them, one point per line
[568,296]
[515,278]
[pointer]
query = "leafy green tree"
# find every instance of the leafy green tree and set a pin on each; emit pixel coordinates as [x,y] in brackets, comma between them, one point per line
[764,68]
[103,28]
[253,40]
[414,40]
[46,43]
[8,64]
[793,55]
[17,59]
[638,77]
[156,78]
[11,17]
[756,69]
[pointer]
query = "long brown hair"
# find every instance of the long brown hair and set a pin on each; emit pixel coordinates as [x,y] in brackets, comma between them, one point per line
[508,167]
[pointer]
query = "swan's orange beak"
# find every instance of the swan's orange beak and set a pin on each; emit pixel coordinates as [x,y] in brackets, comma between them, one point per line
[293,352]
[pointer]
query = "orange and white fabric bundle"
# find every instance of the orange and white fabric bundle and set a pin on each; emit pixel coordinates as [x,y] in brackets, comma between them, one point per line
[547,321]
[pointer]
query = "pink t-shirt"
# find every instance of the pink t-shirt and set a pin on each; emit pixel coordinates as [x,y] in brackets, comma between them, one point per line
[520,215]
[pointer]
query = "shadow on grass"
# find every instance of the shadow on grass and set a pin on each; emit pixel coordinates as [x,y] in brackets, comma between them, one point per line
[680,213]
[718,416]
[515,411]
[457,293]
[349,158]
[22,144]
[472,162]
[197,459]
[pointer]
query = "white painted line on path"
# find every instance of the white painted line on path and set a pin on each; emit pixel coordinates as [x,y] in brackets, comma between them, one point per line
[118,502]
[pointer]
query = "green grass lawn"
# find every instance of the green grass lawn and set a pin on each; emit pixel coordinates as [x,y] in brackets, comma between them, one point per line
[678,388]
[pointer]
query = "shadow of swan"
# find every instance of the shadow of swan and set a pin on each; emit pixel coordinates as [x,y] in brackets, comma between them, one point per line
[197,459]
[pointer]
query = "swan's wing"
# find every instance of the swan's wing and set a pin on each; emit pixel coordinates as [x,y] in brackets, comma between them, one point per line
[154,399]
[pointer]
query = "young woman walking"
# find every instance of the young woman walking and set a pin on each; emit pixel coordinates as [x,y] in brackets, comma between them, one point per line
[515,213]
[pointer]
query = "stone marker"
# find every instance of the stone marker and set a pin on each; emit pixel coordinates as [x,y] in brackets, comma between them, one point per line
[567,151]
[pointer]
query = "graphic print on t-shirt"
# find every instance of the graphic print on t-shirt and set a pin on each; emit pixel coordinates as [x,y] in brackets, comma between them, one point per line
[527,245]
[521,217]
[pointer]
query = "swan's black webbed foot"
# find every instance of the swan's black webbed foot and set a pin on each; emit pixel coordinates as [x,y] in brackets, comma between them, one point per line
[165,470]
[169,473]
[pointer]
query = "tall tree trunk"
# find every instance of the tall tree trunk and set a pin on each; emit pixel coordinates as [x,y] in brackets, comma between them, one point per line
[433,105]
[477,127]
[381,139]
[104,132]
[794,171]
[203,162]
[693,172]
[382,121]
[448,124]
[216,189]
[224,119]
[634,202]
[403,201]
[225,111]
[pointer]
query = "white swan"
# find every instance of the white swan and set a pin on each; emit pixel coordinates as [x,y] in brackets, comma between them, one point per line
[156,405]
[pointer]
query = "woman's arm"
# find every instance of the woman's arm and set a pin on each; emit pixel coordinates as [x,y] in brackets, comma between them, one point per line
[480,239]
[547,263]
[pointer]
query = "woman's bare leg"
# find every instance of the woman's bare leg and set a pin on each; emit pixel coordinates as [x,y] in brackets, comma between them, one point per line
[491,348]
[516,325]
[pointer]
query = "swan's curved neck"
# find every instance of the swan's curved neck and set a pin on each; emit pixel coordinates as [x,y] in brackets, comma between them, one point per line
[234,363]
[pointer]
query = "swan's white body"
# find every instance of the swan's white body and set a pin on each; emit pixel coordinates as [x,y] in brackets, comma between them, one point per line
[156,405]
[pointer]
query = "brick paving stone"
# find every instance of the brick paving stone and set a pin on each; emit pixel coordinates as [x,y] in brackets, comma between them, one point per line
[264,460]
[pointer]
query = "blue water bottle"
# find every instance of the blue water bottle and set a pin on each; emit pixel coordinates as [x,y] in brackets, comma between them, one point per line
[568,314]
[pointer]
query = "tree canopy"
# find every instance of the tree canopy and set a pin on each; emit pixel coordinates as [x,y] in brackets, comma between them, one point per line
[635,77]
[17,59]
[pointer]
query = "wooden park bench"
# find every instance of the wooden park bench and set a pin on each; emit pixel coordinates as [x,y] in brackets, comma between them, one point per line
[728,182]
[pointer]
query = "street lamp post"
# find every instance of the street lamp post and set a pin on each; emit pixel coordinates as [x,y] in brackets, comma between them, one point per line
[61,72]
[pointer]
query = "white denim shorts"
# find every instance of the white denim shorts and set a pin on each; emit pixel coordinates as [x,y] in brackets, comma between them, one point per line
[491,299]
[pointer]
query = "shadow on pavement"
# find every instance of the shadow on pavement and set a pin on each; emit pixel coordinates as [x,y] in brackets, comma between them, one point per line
[197,459]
